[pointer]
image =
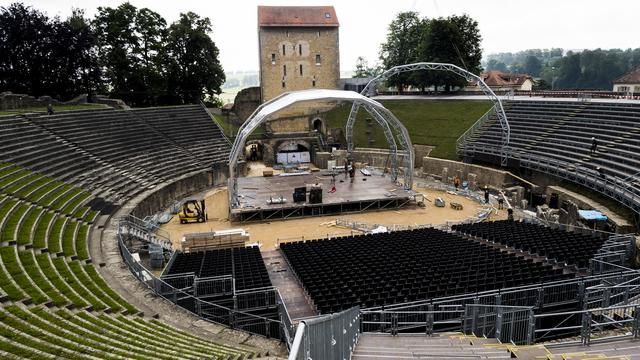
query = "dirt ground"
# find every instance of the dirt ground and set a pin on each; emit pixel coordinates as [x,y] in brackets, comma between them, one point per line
[269,234]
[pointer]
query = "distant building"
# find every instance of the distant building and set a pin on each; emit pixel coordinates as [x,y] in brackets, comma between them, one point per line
[353,84]
[497,80]
[298,48]
[628,83]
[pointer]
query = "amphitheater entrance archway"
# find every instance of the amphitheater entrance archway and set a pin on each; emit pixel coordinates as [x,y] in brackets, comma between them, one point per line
[393,128]
[317,125]
[498,110]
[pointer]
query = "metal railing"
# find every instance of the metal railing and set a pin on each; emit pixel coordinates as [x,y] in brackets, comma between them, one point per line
[176,290]
[331,336]
[617,189]
[462,139]
[426,322]
[506,323]
[586,323]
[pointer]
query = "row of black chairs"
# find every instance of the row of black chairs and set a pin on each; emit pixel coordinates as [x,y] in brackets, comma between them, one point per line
[244,264]
[389,268]
[564,247]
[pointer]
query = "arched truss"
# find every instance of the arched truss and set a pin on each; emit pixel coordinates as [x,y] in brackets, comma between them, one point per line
[370,90]
[381,115]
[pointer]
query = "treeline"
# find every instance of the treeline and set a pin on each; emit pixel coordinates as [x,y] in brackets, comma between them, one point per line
[124,52]
[410,39]
[587,69]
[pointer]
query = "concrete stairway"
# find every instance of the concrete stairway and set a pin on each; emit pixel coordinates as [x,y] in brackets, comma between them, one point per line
[446,346]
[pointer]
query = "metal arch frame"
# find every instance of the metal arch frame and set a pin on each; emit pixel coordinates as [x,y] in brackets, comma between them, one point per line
[382,116]
[369,90]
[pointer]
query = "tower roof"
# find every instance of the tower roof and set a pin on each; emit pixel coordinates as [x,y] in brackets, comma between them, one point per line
[297,16]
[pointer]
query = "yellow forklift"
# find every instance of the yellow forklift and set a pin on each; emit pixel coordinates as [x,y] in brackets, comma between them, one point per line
[192,211]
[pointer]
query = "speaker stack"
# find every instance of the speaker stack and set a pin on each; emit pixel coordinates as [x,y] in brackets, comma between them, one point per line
[300,194]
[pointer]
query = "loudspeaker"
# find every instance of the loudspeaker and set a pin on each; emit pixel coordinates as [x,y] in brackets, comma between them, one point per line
[300,194]
[315,196]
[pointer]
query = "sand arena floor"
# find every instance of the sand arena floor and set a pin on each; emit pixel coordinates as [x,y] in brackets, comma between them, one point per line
[269,234]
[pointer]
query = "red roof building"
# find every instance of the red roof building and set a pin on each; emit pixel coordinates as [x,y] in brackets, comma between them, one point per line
[629,82]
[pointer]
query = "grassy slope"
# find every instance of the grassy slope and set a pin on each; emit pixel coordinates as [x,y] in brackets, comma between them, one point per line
[55,108]
[429,122]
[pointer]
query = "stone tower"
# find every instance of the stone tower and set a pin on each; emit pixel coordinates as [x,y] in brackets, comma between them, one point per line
[298,47]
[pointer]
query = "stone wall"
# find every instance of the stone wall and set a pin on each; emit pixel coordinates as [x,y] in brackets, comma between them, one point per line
[621,224]
[246,102]
[166,194]
[11,101]
[378,158]
[483,175]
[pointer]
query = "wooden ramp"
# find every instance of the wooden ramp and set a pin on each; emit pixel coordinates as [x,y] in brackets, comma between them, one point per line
[290,289]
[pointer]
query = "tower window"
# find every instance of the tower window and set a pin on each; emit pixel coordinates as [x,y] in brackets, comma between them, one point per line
[287,33]
[300,49]
[313,82]
[273,59]
[318,59]
[284,50]
[283,85]
[318,33]
[300,69]
[284,70]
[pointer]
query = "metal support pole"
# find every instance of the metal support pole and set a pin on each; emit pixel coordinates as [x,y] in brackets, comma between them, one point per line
[429,324]
[499,323]
[585,331]
[636,322]
[531,328]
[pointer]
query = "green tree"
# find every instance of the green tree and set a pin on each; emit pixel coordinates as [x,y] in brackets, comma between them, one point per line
[494,64]
[43,56]
[532,66]
[25,46]
[363,70]
[401,46]
[455,40]
[194,70]
[119,52]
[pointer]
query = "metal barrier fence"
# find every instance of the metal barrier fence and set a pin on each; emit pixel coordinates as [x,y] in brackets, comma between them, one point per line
[212,286]
[327,337]
[172,288]
[537,295]
[506,323]
[426,322]
[587,322]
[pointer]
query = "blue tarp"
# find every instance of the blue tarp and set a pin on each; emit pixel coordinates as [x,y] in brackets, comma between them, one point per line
[591,215]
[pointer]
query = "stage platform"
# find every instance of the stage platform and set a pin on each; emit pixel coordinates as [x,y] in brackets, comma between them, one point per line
[366,193]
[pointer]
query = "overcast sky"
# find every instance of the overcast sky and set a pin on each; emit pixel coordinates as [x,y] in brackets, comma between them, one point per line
[505,25]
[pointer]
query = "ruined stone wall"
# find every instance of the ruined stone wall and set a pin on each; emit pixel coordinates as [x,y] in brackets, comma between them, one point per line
[246,102]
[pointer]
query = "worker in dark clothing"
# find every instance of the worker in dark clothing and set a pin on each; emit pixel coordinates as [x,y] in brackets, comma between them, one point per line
[50,109]
[510,214]
[594,145]
[352,172]
[486,195]
[346,168]
[500,203]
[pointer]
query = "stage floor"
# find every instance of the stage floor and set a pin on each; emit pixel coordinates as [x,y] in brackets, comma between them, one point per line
[365,193]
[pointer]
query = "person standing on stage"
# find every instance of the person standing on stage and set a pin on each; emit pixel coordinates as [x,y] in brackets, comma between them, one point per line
[346,168]
[352,172]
